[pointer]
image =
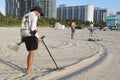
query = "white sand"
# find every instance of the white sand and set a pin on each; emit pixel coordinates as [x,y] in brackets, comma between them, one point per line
[82,60]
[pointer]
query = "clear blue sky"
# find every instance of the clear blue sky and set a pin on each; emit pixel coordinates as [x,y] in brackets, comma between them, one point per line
[110,4]
[2,6]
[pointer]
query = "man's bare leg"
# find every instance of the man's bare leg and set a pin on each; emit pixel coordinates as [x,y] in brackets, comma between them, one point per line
[30,61]
[72,35]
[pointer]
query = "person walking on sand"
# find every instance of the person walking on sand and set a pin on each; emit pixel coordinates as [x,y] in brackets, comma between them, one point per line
[73,25]
[29,34]
[91,28]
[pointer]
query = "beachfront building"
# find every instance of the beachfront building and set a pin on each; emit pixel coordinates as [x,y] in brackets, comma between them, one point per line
[49,7]
[18,8]
[100,14]
[112,21]
[85,12]
[12,8]
[118,15]
[24,6]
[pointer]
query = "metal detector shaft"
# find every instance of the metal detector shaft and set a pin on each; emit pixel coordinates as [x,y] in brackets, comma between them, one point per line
[49,52]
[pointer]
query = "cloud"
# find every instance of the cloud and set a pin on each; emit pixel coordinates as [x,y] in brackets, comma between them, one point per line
[113,11]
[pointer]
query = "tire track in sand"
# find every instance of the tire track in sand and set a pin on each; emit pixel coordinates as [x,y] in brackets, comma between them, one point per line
[81,66]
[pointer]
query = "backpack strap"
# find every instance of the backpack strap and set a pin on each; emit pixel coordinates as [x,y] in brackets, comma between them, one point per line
[26,23]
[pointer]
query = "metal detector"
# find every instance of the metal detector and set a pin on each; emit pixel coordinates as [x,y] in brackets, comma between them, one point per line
[57,68]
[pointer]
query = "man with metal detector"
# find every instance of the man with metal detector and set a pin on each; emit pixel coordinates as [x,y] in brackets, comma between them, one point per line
[29,34]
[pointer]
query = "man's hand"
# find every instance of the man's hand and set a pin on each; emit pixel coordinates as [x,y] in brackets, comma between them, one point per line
[39,39]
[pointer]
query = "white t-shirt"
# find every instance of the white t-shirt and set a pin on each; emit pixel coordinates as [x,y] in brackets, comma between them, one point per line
[32,22]
[91,27]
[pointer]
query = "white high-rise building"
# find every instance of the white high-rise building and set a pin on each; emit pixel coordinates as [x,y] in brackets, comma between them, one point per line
[84,13]
[89,13]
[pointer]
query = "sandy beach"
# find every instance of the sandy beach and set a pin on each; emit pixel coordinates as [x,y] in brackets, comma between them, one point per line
[80,58]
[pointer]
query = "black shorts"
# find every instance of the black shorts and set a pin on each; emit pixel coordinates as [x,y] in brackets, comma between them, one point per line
[31,43]
[91,30]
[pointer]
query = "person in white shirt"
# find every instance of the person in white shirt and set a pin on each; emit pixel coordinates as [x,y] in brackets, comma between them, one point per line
[29,23]
[91,28]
